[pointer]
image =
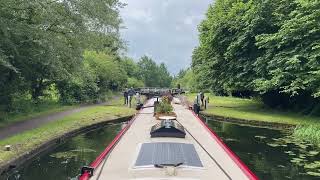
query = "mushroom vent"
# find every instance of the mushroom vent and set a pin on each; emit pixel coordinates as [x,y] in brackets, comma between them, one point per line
[168,128]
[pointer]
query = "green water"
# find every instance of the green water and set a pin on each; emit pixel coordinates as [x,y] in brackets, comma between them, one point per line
[270,154]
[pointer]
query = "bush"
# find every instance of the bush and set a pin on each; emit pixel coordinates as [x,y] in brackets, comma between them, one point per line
[164,106]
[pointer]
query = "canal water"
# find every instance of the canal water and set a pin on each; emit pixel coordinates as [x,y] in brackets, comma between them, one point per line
[270,154]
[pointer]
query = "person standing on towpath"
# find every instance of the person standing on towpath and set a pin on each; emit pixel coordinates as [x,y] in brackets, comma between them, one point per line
[131,93]
[196,104]
[201,97]
[125,95]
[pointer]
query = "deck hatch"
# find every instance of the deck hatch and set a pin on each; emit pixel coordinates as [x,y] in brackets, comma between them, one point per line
[168,153]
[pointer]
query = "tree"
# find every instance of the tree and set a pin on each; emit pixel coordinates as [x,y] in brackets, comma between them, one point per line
[153,75]
[42,41]
[164,76]
[186,79]
[291,57]
[270,47]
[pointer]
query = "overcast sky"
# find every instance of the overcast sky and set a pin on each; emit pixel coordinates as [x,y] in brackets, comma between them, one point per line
[165,30]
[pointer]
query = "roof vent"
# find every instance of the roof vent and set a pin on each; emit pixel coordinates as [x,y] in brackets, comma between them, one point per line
[167,128]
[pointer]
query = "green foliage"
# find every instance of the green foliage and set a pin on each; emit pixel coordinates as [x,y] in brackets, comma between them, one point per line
[130,67]
[106,69]
[67,51]
[135,83]
[164,107]
[187,80]
[153,75]
[268,47]
[42,43]
[291,55]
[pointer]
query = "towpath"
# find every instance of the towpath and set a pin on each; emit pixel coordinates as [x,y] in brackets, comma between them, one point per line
[32,123]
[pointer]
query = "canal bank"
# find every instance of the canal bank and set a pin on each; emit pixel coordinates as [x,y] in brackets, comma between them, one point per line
[30,143]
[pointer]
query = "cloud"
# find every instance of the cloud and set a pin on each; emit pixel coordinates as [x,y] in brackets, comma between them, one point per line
[138,15]
[163,29]
[192,20]
[188,20]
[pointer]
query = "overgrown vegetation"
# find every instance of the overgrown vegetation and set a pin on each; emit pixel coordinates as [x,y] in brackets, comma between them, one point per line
[267,48]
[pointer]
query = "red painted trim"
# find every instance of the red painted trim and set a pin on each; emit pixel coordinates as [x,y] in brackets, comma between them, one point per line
[84,176]
[108,149]
[231,154]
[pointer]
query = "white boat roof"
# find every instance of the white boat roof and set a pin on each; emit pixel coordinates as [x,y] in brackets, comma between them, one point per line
[120,163]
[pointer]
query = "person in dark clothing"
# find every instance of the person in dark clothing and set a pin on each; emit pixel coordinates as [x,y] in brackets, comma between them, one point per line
[196,104]
[125,95]
[131,93]
[196,109]
[202,98]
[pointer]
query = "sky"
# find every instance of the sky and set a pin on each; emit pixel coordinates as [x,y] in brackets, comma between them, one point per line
[165,30]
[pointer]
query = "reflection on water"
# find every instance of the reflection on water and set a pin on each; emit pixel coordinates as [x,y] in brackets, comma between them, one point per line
[65,161]
[270,154]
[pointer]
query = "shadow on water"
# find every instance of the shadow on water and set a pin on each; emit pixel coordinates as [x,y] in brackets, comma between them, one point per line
[65,161]
[270,154]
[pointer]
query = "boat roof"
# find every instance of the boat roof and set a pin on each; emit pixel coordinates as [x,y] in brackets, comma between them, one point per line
[209,158]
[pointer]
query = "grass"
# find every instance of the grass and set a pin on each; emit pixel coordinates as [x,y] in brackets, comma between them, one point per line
[26,109]
[308,132]
[308,127]
[32,139]
[251,109]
